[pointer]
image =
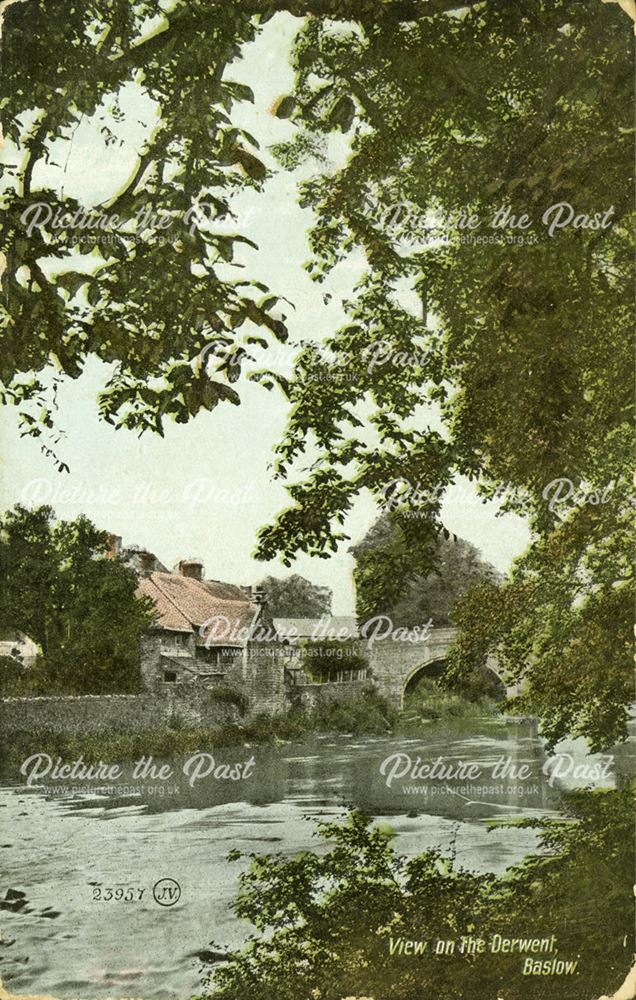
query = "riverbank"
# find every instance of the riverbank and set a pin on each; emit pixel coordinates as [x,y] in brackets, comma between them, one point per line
[429,702]
[367,715]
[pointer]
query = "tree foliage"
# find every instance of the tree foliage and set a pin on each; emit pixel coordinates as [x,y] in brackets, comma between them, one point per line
[324,919]
[528,352]
[78,606]
[163,300]
[389,580]
[564,624]
[295,597]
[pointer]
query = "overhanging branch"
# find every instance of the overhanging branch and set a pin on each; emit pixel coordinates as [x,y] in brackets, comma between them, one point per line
[351,10]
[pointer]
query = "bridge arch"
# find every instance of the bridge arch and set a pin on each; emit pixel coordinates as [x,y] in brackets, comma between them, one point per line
[429,668]
[394,664]
[435,669]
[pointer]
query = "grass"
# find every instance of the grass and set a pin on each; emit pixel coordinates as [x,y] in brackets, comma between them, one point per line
[369,714]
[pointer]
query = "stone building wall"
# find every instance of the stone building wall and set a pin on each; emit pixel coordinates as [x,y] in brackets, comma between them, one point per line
[256,671]
[264,677]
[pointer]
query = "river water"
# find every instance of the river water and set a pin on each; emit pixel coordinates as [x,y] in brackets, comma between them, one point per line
[72,849]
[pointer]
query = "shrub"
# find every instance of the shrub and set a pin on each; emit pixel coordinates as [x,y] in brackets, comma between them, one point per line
[324,659]
[326,919]
[227,695]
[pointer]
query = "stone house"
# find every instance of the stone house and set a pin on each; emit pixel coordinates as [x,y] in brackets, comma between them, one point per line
[208,634]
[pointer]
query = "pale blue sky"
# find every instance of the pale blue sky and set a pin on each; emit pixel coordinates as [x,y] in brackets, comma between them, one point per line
[206,488]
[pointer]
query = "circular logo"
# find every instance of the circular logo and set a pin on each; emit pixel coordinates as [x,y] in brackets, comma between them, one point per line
[166,892]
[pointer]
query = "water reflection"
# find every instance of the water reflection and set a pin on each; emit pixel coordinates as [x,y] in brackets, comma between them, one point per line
[499,768]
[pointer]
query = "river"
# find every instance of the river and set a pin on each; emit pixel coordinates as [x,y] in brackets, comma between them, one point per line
[70,851]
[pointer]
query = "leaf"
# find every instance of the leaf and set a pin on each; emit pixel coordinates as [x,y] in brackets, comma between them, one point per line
[285,106]
[241,91]
[71,281]
[343,113]
[252,166]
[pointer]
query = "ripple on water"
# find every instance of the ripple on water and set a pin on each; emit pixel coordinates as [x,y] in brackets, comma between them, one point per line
[65,850]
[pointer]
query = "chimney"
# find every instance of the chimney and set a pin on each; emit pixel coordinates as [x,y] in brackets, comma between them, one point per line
[192,568]
[255,594]
[146,562]
[114,545]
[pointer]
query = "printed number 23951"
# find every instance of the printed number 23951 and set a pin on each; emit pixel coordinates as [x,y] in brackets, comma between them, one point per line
[105,894]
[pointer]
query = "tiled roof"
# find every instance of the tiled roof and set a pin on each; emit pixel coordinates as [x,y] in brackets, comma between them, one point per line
[168,616]
[183,604]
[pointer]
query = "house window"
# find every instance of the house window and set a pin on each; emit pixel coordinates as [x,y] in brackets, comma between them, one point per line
[170,676]
[219,655]
[208,655]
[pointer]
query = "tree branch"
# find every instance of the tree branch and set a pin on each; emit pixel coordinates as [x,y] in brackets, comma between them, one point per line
[403,10]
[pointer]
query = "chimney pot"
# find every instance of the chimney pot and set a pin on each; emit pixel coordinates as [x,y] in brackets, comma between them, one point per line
[191,568]
[114,545]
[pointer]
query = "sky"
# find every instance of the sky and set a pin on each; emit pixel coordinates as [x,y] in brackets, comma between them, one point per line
[206,488]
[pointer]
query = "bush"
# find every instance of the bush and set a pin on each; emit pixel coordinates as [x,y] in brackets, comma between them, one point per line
[230,696]
[367,714]
[326,919]
[324,659]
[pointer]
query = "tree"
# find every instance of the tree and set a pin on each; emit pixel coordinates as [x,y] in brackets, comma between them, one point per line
[325,919]
[389,580]
[80,607]
[13,676]
[145,302]
[455,118]
[295,597]
[522,341]
[564,624]
[504,361]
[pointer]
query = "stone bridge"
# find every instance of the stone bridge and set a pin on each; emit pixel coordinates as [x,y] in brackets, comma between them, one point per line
[395,663]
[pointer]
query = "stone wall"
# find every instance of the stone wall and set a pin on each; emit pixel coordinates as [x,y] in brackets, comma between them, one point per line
[181,706]
[117,713]
[308,697]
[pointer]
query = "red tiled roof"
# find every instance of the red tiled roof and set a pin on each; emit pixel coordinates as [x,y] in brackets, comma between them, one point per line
[183,604]
[168,616]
